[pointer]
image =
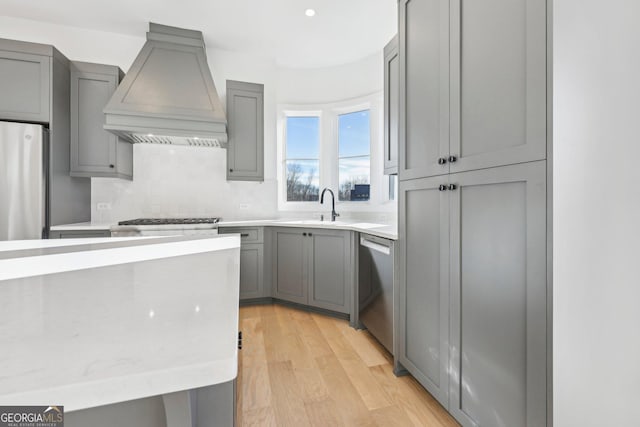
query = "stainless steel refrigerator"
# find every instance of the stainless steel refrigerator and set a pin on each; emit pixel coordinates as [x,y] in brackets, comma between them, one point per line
[36,190]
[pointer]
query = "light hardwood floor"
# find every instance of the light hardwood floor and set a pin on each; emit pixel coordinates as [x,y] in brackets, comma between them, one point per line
[304,369]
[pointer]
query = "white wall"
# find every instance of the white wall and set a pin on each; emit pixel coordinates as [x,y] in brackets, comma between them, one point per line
[185,182]
[331,84]
[597,213]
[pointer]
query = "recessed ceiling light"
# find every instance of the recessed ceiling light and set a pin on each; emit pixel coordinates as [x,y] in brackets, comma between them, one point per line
[310,12]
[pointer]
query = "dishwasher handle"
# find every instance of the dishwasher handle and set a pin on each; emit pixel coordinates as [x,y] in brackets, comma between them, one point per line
[375,246]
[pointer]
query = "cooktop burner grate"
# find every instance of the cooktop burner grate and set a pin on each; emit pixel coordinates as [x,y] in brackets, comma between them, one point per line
[168,221]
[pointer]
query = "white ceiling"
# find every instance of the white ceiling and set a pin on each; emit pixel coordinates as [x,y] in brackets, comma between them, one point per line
[342,31]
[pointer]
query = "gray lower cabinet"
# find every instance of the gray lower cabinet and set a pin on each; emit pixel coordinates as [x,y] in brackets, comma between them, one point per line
[245,126]
[78,234]
[423,323]
[498,288]
[96,152]
[251,271]
[290,263]
[473,292]
[25,85]
[313,267]
[252,261]
[391,104]
[330,270]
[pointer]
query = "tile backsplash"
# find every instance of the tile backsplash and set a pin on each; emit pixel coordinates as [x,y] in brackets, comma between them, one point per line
[172,181]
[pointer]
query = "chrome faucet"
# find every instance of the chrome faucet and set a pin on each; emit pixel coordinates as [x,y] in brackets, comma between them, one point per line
[334,214]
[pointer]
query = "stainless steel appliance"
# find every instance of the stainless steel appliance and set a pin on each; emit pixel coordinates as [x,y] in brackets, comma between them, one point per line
[166,227]
[36,190]
[24,182]
[375,288]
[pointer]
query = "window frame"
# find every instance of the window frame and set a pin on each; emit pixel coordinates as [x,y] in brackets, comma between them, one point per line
[329,154]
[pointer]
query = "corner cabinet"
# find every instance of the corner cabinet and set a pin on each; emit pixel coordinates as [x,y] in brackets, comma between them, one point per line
[391,104]
[313,267]
[96,152]
[245,127]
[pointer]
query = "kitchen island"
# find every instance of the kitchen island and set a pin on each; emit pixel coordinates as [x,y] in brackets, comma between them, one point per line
[141,328]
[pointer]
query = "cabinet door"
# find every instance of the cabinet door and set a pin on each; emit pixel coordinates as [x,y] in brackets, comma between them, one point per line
[330,269]
[245,119]
[93,149]
[391,104]
[290,264]
[424,87]
[251,271]
[498,83]
[25,87]
[498,296]
[423,336]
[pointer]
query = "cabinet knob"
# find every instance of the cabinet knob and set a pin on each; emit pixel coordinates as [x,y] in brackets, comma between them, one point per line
[310,234]
[442,187]
[442,161]
[230,170]
[112,166]
[452,187]
[304,234]
[452,159]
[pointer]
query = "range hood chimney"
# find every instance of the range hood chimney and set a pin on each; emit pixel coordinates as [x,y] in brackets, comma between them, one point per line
[168,95]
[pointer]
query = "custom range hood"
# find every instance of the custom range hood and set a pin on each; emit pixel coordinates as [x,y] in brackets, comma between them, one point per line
[168,95]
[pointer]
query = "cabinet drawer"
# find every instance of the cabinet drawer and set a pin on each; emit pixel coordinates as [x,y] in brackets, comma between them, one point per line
[247,235]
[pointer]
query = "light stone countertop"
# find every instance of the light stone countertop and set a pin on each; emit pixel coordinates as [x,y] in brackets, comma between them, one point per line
[90,322]
[81,226]
[385,230]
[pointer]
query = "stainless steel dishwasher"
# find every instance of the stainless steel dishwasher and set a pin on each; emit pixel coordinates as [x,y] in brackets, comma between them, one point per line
[375,288]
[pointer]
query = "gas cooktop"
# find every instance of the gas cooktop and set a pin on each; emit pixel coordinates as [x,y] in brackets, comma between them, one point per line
[169,221]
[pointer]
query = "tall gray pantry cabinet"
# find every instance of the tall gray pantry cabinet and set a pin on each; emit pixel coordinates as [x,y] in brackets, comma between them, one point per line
[473,295]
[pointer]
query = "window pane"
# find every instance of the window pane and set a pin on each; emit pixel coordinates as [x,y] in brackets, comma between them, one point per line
[354,144]
[354,178]
[303,137]
[353,134]
[303,180]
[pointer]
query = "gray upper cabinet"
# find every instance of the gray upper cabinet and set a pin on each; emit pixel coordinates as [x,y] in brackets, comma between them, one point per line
[245,126]
[95,151]
[424,88]
[498,296]
[330,269]
[423,324]
[472,85]
[25,86]
[498,83]
[391,104]
[290,265]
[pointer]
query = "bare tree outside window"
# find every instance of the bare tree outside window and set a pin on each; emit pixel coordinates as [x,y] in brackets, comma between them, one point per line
[300,184]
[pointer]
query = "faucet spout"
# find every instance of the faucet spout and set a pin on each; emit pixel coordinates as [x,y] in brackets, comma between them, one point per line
[334,214]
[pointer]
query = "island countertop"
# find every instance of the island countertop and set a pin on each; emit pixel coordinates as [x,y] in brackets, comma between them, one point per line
[89,322]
